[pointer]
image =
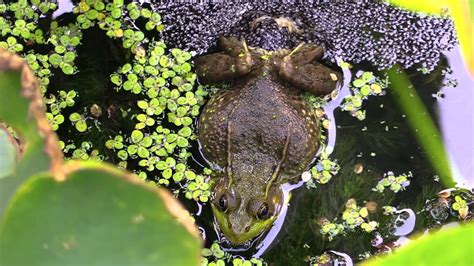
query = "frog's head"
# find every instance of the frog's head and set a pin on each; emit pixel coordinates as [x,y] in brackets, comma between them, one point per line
[243,211]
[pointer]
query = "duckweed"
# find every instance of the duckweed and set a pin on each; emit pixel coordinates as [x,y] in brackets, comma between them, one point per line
[394,183]
[215,256]
[161,79]
[323,170]
[364,85]
[353,218]
[461,207]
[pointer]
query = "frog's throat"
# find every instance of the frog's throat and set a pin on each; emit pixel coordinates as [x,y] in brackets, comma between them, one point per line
[256,228]
[276,173]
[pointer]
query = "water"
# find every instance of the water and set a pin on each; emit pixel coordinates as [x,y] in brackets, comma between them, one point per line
[382,142]
[373,36]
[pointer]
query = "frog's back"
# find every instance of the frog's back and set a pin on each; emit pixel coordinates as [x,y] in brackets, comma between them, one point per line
[257,116]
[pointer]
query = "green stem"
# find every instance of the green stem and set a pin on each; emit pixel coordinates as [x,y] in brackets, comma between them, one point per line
[422,125]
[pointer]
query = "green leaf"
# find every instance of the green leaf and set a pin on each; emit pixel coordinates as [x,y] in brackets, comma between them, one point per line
[65,223]
[367,76]
[60,49]
[365,90]
[8,153]
[17,112]
[143,152]
[451,246]
[81,125]
[358,83]
[55,59]
[69,57]
[142,104]
[182,142]
[137,135]
[116,79]
[185,132]
[66,68]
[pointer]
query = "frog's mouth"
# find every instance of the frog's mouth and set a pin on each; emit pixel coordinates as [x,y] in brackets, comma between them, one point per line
[257,228]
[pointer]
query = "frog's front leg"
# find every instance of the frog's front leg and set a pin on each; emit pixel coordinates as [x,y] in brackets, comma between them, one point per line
[233,62]
[301,70]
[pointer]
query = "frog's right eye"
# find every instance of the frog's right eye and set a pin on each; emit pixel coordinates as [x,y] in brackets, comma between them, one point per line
[226,201]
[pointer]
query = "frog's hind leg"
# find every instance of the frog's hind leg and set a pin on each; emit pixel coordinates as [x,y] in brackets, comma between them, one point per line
[300,69]
[233,62]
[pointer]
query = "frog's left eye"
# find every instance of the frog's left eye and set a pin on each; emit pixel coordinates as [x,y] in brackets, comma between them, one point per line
[263,211]
[260,209]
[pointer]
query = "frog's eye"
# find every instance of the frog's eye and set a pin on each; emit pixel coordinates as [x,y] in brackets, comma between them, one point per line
[260,209]
[226,201]
[222,203]
[263,212]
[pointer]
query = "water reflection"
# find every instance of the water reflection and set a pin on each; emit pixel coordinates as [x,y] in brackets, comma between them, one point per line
[456,111]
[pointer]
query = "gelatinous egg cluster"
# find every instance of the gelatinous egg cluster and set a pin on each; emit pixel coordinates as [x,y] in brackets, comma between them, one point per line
[375,32]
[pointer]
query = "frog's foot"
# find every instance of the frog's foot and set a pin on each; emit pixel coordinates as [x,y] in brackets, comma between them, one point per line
[233,62]
[299,68]
[290,25]
[282,22]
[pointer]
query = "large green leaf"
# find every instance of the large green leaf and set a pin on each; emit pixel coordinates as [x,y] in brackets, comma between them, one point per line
[21,107]
[97,216]
[454,246]
[8,153]
[14,107]
[80,213]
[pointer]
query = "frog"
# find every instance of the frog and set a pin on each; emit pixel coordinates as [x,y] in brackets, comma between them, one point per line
[259,132]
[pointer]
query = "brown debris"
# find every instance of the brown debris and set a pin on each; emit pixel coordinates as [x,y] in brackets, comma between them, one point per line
[358,168]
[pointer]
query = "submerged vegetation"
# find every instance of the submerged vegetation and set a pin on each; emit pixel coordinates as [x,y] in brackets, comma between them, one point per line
[118,84]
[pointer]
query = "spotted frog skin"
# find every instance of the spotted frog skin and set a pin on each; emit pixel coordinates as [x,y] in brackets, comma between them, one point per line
[259,132]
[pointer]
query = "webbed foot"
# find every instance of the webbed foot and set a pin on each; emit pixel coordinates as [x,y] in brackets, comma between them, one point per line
[234,61]
[300,69]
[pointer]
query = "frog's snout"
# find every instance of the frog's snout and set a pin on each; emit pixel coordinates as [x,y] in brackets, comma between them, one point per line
[239,224]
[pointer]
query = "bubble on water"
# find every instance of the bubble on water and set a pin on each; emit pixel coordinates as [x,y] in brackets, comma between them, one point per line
[375,32]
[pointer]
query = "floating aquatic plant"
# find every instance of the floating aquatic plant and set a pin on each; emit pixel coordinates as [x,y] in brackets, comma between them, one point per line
[161,77]
[461,207]
[329,258]
[353,217]
[364,85]
[331,229]
[215,256]
[394,183]
[322,171]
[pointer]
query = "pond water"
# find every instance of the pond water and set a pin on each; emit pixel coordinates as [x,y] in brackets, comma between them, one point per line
[371,37]
[382,142]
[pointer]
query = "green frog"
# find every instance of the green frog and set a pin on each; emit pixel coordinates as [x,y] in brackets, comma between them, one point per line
[259,132]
